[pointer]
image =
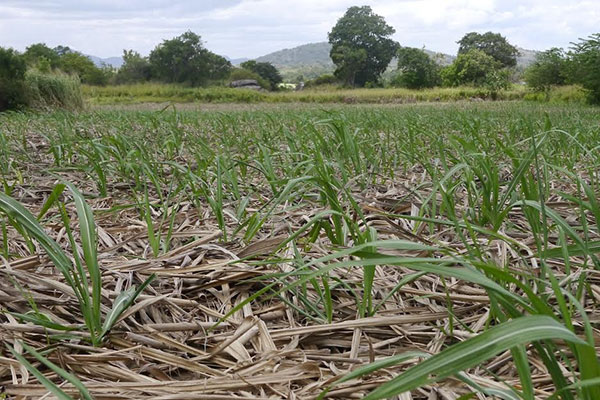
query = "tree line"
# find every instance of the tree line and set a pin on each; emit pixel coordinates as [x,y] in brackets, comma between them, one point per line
[180,60]
[362,49]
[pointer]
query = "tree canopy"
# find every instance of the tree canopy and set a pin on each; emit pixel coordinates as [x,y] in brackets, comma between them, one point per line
[12,74]
[184,59]
[73,62]
[548,69]
[135,68]
[416,69]
[476,68]
[361,46]
[39,54]
[584,67]
[492,44]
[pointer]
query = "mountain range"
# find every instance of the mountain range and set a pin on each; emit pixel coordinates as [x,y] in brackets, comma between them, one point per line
[311,60]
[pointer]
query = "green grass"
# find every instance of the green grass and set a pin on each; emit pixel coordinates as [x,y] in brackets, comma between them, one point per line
[46,91]
[153,92]
[364,201]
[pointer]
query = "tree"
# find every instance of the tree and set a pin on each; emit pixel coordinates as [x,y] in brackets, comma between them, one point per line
[62,50]
[135,68]
[185,60]
[361,46]
[76,63]
[416,69]
[478,69]
[265,70]
[38,55]
[492,44]
[12,78]
[584,67]
[547,70]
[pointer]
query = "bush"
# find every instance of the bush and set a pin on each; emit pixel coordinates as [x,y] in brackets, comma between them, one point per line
[44,91]
[12,79]
[82,66]
[135,68]
[584,67]
[326,79]
[548,70]
[416,70]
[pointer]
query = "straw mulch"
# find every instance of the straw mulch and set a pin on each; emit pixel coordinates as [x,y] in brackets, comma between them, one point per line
[168,345]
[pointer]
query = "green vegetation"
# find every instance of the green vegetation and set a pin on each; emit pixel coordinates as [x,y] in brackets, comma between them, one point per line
[265,71]
[12,77]
[492,44]
[361,47]
[301,238]
[46,91]
[184,60]
[478,69]
[135,68]
[416,70]
[548,70]
[21,88]
[581,65]
[46,60]
[584,67]
[159,93]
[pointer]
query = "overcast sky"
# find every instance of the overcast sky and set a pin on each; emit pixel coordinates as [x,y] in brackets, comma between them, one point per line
[251,28]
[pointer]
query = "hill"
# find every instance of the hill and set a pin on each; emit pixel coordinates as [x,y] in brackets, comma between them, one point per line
[312,59]
[112,61]
[526,57]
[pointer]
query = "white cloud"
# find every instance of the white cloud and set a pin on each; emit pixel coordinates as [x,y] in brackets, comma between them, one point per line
[254,27]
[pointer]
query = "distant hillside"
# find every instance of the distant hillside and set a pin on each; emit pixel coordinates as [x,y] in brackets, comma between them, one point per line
[526,57]
[113,61]
[311,60]
[236,61]
[307,54]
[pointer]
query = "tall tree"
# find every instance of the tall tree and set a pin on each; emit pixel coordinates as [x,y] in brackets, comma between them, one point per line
[476,68]
[361,46]
[547,70]
[584,67]
[39,53]
[185,60]
[73,62]
[416,69]
[12,76]
[492,44]
[135,68]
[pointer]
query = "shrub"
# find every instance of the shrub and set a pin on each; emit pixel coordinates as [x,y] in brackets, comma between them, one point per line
[56,90]
[547,70]
[416,70]
[12,77]
[135,68]
[82,66]
[584,67]
[326,79]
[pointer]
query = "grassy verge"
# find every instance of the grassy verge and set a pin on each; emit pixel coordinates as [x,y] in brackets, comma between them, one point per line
[142,93]
[45,91]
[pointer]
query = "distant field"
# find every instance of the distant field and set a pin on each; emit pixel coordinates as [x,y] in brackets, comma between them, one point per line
[158,93]
[428,251]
